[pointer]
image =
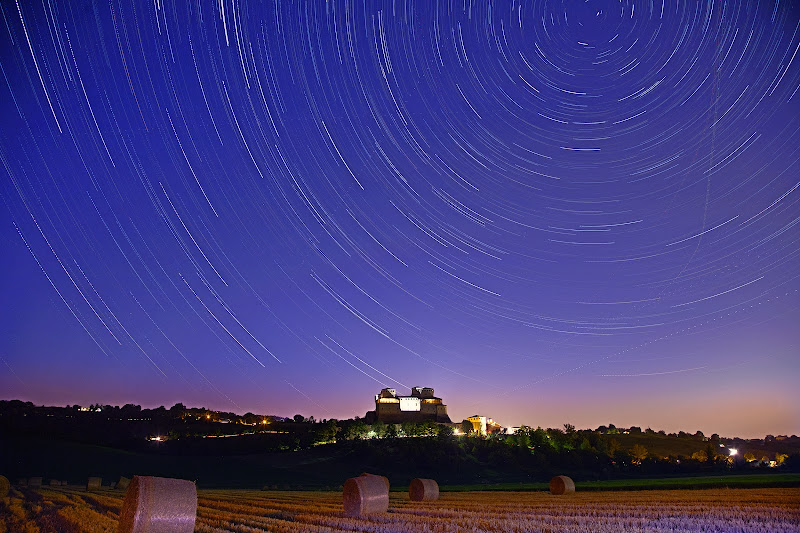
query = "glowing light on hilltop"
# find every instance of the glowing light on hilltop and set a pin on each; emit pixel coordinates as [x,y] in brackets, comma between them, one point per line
[732,451]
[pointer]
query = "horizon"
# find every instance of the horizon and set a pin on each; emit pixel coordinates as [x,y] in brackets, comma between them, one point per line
[455,420]
[550,213]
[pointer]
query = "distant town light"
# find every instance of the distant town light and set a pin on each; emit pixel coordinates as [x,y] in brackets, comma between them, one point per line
[732,451]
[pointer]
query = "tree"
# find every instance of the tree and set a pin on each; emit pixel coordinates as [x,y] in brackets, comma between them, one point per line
[539,439]
[700,455]
[638,453]
[445,431]
[357,430]
[250,418]
[328,431]
[711,451]
[130,410]
[298,418]
[601,445]
[467,428]
[749,457]
[559,439]
[523,437]
[428,428]
[411,429]
[379,428]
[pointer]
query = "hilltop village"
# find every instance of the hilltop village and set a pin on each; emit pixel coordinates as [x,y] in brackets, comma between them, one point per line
[402,434]
[419,414]
[423,406]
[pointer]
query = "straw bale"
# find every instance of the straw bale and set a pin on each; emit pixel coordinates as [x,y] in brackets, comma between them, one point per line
[364,495]
[35,482]
[123,483]
[423,490]
[94,483]
[384,478]
[55,483]
[5,486]
[158,504]
[561,485]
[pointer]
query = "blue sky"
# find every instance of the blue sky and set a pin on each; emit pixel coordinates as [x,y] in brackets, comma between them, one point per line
[549,212]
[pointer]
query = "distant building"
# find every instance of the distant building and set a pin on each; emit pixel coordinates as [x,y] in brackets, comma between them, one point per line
[419,406]
[483,425]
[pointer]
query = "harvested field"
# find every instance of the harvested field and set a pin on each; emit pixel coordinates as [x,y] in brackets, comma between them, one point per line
[71,509]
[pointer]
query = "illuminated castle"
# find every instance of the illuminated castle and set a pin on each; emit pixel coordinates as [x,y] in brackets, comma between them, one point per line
[419,406]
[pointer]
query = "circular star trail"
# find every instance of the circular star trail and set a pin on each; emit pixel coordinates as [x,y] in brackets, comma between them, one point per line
[285,206]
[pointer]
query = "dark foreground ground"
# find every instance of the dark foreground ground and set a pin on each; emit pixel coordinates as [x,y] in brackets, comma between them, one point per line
[326,467]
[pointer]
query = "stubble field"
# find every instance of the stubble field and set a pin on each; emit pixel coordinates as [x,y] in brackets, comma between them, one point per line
[72,509]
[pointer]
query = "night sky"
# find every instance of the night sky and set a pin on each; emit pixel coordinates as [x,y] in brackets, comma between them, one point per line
[550,212]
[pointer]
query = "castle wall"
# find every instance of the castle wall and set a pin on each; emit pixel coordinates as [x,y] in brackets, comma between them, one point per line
[394,413]
[421,405]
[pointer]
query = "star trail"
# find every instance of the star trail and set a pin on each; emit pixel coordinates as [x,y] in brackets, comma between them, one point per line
[550,212]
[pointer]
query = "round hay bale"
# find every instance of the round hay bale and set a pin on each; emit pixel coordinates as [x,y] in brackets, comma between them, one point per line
[384,478]
[365,495]
[5,486]
[561,485]
[123,483]
[94,483]
[22,482]
[423,490]
[34,482]
[158,504]
[55,483]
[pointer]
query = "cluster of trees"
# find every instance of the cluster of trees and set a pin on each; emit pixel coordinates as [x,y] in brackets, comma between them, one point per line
[603,447]
[186,429]
[598,441]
